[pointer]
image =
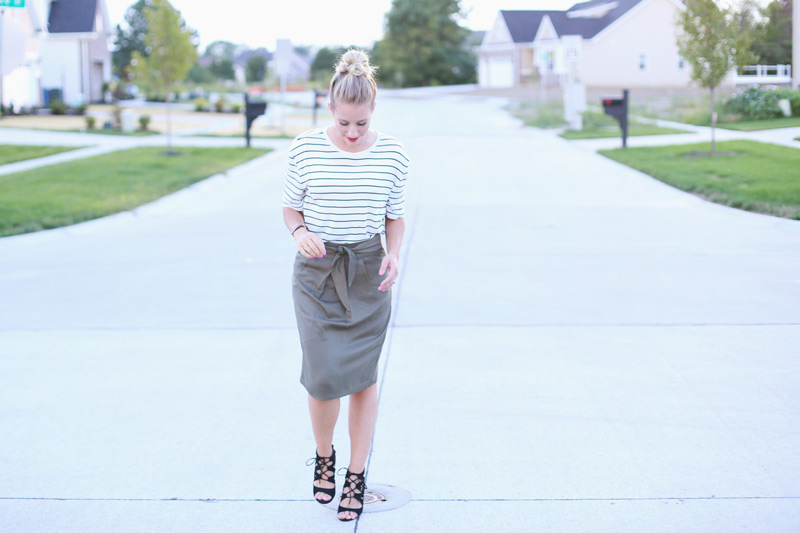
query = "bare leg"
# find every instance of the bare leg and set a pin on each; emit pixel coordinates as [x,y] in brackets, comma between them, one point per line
[362,414]
[323,420]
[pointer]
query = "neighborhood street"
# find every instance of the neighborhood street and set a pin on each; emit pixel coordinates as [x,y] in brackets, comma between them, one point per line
[574,346]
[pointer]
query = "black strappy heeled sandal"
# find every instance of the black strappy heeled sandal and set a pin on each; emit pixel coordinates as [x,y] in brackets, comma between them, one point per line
[324,470]
[354,487]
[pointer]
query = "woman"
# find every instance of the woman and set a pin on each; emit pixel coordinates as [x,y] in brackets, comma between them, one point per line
[344,188]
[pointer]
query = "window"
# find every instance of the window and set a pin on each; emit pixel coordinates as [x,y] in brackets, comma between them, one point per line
[641,61]
[681,63]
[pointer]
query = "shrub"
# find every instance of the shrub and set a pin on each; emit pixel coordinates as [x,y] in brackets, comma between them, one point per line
[57,107]
[219,105]
[90,121]
[598,119]
[754,103]
[81,109]
[793,97]
[144,122]
[236,108]
[200,104]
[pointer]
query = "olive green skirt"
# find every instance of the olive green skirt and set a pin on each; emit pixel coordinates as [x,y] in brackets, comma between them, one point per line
[342,317]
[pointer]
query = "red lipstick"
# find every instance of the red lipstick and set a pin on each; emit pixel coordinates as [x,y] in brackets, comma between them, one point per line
[352,139]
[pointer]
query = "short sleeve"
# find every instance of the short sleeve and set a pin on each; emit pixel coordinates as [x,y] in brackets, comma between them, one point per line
[396,203]
[294,187]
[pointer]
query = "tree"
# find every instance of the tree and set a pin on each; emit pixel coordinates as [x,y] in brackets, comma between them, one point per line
[199,74]
[772,37]
[709,41]
[222,69]
[256,69]
[172,54]
[130,39]
[424,44]
[324,61]
[220,50]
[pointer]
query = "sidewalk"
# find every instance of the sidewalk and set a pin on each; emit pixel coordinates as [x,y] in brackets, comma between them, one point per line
[574,347]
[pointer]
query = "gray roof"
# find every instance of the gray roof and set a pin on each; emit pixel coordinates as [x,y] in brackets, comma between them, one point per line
[72,16]
[523,25]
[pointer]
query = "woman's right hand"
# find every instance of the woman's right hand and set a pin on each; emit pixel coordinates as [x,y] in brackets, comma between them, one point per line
[309,244]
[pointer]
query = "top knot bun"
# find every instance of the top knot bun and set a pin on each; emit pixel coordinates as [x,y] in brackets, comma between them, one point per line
[353,81]
[355,63]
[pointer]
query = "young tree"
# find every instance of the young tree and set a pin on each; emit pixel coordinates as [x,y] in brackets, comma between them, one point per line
[710,43]
[424,44]
[172,54]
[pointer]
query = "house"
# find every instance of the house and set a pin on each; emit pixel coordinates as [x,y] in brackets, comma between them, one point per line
[630,43]
[76,57]
[66,55]
[297,65]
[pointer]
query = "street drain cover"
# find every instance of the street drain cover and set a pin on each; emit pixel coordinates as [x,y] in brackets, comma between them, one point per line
[379,498]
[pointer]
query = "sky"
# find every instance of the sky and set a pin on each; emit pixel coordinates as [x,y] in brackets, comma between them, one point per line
[311,22]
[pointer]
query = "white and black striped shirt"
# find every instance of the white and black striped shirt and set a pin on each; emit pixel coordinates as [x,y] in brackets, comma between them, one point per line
[344,196]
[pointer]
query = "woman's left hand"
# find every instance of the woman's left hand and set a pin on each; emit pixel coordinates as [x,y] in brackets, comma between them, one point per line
[388,267]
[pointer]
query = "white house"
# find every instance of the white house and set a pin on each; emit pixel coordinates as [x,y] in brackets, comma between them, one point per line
[67,47]
[630,43]
[76,57]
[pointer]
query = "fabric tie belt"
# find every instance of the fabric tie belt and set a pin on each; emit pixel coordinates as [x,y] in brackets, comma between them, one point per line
[344,265]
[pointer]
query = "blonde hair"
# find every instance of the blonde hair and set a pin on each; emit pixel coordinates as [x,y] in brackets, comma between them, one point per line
[353,83]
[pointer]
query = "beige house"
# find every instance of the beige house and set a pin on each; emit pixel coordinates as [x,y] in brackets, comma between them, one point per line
[630,43]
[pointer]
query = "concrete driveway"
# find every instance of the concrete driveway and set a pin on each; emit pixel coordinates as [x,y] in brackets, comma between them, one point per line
[575,347]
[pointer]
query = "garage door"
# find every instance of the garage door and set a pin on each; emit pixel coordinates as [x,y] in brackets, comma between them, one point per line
[500,72]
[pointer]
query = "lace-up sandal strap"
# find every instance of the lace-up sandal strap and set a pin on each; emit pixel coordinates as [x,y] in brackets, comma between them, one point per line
[324,470]
[354,488]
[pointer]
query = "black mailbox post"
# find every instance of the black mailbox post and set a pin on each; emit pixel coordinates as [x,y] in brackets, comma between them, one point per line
[618,108]
[319,99]
[252,110]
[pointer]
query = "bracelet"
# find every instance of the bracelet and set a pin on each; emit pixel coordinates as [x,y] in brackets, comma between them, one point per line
[297,228]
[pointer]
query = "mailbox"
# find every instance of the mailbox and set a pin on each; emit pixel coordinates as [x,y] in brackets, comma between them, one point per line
[618,108]
[320,97]
[252,110]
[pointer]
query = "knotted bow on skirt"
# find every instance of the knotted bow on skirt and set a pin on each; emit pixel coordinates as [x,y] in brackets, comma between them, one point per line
[342,317]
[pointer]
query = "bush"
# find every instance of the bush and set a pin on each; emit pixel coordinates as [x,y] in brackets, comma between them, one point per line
[57,107]
[90,121]
[200,104]
[236,108]
[144,122]
[598,119]
[793,97]
[755,103]
[219,105]
[81,109]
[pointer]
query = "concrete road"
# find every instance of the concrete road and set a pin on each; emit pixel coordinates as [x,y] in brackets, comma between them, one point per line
[574,347]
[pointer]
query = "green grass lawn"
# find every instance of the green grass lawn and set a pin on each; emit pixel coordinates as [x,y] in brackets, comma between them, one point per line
[11,153]
[76,191]
[755,125]
[634,129]
[760,177]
